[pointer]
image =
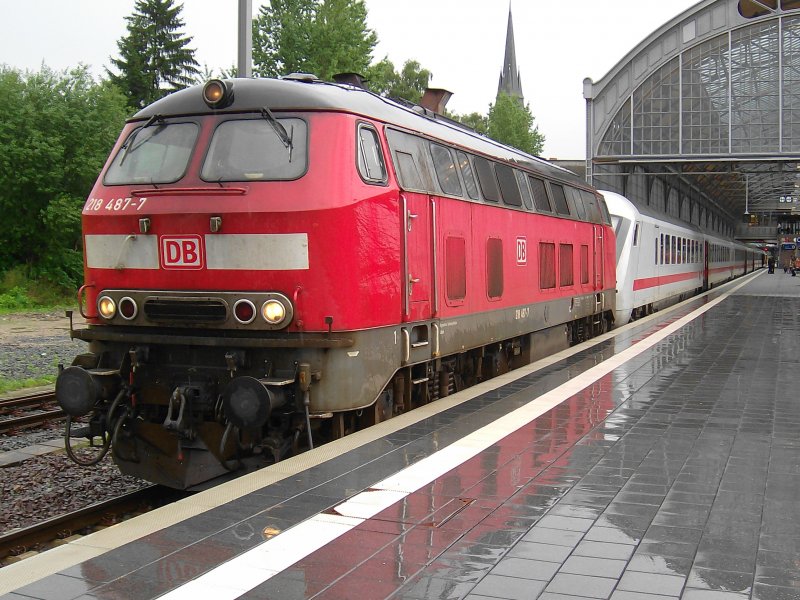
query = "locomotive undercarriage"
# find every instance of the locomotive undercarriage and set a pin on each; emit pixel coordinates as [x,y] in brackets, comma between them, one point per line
[184,413]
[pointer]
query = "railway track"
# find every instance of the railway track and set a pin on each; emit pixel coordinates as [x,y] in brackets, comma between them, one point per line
[50,532]
[29,410]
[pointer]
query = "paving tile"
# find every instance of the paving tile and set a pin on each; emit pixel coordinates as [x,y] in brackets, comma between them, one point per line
[566,523]
[604,550]
[769,592]
[633,581]
[56,587]
[556,537]
[611,534]
[623,595]
[538,551]
[724,581]
[581,585]
[508,588]
[665,565]
[692,594]
[598,567]
[665,533]
[526,569]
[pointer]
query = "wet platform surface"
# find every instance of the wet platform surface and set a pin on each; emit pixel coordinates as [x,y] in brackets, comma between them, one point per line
[663,462]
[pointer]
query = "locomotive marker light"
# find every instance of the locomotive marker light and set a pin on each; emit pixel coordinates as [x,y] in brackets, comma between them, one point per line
[128,308]
[244,311]
[106,307]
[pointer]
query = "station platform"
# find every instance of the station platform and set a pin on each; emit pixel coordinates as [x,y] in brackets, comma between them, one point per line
[659,461]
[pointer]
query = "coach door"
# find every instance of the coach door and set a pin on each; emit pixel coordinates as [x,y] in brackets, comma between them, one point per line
[418,238]
[599,252]
[705,265]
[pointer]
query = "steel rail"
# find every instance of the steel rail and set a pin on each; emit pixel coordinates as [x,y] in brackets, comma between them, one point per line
[23,539]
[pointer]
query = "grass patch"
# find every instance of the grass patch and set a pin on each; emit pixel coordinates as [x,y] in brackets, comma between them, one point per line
[21,293]
[11,385]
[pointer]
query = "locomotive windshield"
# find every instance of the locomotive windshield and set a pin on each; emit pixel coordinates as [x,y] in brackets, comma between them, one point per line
[153,154]
[252,150]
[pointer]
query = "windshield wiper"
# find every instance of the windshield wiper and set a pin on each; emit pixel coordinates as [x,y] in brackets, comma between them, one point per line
[280,130]
[128,147]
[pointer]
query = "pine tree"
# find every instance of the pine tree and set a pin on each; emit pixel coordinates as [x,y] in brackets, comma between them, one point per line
[154,57]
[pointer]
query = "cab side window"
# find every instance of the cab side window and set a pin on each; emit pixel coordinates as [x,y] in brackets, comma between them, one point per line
[371,166]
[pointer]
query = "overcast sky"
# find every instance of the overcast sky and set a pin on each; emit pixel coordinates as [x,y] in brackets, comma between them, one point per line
[558,42]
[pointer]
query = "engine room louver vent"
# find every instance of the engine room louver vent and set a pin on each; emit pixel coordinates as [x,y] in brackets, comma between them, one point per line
[185,310]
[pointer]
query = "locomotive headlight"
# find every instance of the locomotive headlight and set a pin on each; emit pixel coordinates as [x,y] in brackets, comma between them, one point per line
[106,307]
[277,310]
[273,312]
[217,93]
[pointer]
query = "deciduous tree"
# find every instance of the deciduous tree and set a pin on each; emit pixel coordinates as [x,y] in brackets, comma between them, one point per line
[321,37]
[474,120]
[408,84]
[56,130]
[511,123]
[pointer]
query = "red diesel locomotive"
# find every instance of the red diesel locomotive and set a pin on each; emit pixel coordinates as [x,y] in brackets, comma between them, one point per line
[270,264]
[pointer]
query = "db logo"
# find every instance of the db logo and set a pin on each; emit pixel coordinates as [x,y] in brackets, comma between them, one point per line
[522,251]
[184,252]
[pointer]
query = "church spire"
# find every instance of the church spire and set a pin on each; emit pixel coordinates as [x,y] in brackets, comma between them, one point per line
[510,82]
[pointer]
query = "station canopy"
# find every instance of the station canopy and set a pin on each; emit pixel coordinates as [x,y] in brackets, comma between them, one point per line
[702,119]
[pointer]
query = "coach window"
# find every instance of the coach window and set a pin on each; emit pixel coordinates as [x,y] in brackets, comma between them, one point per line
[413,162]
[540,198]
[593,211]
[577,202]
[408,172]
[508,185]
[524,190]
[446,170]
[494,268]
[487,179]
[562,208]
[455,255]
[467,174]
[370,158]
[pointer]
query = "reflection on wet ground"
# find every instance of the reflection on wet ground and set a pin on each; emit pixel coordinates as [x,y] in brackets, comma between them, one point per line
[676,475]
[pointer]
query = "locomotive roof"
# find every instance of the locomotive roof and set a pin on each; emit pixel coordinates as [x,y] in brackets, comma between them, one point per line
[251,95]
